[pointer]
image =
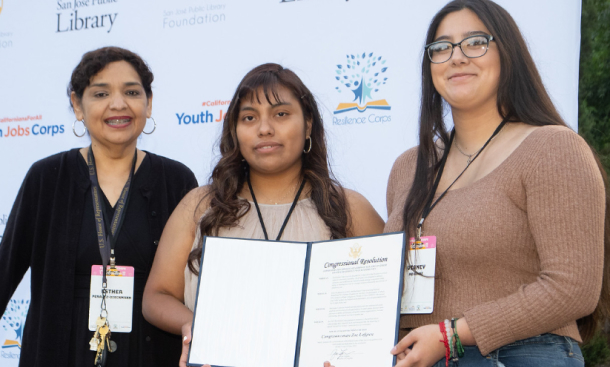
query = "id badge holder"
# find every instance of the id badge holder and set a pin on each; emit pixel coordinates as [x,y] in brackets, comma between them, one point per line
[119,297]
[418,294]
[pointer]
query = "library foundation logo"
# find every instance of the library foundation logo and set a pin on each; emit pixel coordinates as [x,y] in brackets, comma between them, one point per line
[82,15]
[5,41]
[12,324]
[5,37]
[194,15]
[294,1]
[360,80]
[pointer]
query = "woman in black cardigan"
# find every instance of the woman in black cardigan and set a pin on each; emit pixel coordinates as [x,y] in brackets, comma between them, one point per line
[52,226]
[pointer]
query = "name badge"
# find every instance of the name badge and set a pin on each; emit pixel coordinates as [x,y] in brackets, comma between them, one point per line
[119,297]
[418,294]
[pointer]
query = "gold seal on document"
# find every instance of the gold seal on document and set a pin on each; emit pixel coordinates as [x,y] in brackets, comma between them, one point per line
[355,250]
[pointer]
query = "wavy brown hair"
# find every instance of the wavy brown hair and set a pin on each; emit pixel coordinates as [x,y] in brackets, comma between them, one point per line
[521,97]
[229,175]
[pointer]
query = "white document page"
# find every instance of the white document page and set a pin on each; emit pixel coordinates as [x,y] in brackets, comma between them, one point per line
[352,302]
[248,304]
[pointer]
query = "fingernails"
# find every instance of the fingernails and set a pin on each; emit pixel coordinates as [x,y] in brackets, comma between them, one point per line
[184,339]
[393,350]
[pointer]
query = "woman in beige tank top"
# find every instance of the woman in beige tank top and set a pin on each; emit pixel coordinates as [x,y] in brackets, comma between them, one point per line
[273,152]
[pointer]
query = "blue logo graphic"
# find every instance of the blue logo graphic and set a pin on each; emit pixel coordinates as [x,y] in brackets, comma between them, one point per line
[363,75]
[14,319]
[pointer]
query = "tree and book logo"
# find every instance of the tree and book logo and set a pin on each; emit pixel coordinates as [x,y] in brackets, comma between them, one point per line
[13,321]
[363,75]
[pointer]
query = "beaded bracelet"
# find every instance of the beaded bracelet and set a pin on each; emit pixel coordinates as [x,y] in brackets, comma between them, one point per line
[449,338]
[458,344]
[454,358]
[445,341]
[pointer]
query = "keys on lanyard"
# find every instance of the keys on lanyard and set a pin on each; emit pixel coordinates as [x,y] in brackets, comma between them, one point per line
[101,342]
[95,341]
[106,241]
[101,338]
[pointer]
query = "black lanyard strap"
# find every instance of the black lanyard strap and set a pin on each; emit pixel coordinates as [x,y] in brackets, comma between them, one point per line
[105,240]
[429,204]
[260,216]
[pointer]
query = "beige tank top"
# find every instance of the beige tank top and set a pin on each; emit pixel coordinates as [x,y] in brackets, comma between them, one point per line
[305,225]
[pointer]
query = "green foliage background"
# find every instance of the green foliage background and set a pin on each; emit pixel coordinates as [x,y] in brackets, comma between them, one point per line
[594,116]
[594,87]
[596,352]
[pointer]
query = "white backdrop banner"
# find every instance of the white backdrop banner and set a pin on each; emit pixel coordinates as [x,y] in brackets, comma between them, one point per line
[361,58]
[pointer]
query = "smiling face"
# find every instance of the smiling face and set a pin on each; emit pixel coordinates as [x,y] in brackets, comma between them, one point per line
[114,106]
[272,136]
[466,83]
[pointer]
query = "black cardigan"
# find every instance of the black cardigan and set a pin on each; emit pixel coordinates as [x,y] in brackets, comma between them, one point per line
[42,233]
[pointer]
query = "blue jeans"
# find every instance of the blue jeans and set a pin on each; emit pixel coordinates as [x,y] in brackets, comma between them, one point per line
[547,350]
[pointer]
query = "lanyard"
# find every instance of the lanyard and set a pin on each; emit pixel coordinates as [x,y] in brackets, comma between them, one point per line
[260,216]
[106,241]
[429,205]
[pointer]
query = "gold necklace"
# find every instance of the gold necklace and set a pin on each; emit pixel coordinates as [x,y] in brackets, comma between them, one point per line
[283,197]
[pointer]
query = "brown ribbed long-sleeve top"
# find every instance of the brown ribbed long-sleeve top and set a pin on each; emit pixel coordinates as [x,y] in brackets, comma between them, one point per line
[520,251]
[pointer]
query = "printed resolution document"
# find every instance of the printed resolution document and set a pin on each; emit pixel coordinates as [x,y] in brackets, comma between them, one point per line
[289,304]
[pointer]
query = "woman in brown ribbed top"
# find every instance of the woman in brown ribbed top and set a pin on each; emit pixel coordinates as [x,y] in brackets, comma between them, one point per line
[520,230]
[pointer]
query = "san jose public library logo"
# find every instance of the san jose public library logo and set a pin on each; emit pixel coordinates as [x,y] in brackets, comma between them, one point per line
[1,5]
[12,322]
[362,75]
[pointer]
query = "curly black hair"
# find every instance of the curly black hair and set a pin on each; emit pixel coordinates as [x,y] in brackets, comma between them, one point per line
[94,61]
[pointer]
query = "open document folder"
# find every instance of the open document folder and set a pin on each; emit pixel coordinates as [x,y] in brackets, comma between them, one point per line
[287,304]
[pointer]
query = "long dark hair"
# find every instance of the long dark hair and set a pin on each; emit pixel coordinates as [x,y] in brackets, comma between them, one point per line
[521,97]
[229,175]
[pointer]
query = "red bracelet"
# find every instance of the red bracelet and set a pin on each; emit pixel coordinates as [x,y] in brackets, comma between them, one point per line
[446,342]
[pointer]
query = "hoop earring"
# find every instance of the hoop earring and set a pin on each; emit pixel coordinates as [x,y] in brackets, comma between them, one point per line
[74,128]
[154,127]
[310,144]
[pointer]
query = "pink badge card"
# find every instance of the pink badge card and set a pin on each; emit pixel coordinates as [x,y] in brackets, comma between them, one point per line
[119,297]
[418,294]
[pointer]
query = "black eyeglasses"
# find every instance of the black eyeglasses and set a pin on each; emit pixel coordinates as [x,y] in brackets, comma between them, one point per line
[472,47]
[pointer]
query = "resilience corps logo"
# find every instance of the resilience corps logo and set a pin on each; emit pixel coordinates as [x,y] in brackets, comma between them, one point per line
[3,220]
[12,323]
[363,75]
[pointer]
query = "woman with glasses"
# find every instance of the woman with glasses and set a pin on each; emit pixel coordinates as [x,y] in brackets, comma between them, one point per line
[514,199]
